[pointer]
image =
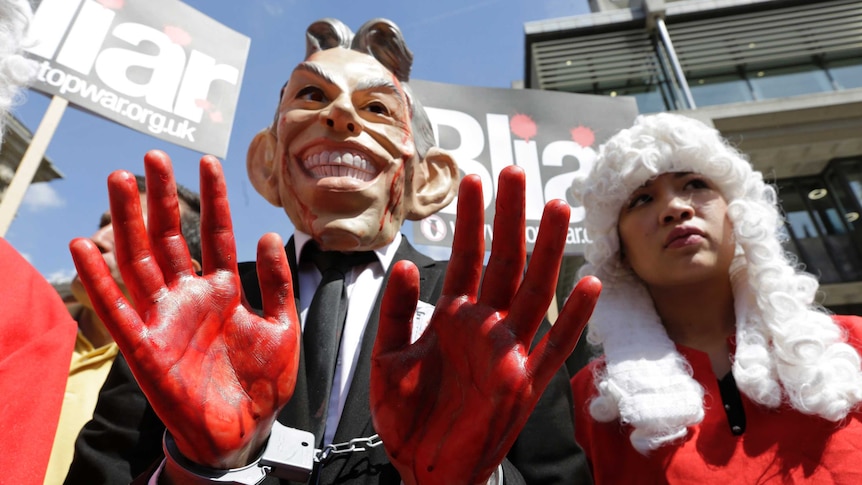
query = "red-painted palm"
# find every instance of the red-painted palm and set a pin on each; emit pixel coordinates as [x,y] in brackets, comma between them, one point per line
[215,372]
[449,406]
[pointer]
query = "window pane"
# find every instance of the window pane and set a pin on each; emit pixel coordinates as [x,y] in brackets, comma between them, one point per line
[826,205]
[650,98]
[780,83]
[856,187]
[650,102]
[847,74]
[805,240]
[711,91]
[850,170]
[845,180]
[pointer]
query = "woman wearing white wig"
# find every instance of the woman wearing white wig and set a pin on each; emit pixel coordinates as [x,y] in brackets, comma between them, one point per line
[718,367]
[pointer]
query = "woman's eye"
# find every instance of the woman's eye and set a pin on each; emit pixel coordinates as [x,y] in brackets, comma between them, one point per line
[311,93]
[378,108]
[639,200]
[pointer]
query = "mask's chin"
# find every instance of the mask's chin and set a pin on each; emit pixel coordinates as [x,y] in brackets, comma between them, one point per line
[354,234]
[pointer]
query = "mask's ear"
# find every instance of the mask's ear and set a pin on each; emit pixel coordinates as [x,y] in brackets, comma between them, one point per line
[434,184]
[261,166]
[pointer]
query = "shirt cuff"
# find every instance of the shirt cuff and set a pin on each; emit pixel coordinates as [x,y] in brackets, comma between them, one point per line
[154,480]
[496,477]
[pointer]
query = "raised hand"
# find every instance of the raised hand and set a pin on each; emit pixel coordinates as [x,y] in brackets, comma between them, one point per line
[215,372]
[449,406]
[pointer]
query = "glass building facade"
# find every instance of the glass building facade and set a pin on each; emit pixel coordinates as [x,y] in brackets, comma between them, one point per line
[766,50]
[780,78]
[823,223]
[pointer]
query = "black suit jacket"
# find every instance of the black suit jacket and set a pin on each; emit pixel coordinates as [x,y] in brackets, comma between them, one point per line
[123,440]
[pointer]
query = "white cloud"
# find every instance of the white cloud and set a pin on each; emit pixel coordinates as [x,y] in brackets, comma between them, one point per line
[450,13]
[41,196]
[61,276]
[274,9]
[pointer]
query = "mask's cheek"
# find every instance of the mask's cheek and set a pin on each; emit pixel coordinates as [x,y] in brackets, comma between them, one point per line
[298,209]
[395,209]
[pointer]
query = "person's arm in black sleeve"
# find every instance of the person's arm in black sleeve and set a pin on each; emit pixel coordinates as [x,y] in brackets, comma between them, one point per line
[123,439]
[545,451]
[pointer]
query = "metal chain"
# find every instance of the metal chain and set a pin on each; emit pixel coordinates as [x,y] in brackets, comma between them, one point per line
[356,444]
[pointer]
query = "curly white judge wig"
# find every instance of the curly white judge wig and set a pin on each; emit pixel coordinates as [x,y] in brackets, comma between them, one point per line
[788,351]
[15,70]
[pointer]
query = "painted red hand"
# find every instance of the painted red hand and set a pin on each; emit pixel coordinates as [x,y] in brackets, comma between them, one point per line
[215,372]
[449,406]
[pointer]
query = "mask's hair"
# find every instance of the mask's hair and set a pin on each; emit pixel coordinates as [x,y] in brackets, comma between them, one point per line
[788,349]
[15,70]
[382,40]
[190,216]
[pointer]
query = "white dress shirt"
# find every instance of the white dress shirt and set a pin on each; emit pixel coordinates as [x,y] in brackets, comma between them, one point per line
[363,285]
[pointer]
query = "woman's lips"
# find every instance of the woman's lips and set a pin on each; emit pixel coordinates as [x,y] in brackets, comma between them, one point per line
[683,236]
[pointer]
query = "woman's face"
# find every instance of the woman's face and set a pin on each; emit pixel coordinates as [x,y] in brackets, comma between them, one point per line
[674,231]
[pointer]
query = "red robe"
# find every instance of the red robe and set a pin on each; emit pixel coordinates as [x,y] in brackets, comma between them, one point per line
[778,446]
[37,335]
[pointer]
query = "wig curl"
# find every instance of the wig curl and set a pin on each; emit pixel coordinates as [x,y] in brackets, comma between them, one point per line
[788,350]
[15,70]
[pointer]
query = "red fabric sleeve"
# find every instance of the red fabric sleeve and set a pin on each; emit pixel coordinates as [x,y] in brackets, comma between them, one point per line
[853,325]
[583,391]
[37,336]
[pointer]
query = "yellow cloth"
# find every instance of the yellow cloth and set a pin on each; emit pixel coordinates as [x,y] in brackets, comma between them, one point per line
[87,373]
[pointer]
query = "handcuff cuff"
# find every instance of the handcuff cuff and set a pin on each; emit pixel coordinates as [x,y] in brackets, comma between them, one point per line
[288,454]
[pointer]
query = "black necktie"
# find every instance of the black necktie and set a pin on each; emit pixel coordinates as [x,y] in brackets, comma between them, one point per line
[323,327]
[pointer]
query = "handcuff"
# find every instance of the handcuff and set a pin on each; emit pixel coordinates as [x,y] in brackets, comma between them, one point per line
[288,454]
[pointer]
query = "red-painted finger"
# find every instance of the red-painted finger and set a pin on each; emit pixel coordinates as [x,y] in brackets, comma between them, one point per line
[141,273]
[560,341]
[397,308]
[163,218]
[217,239]
[120,318]
[276,285]
[508,249]
[535,295]
[468,248]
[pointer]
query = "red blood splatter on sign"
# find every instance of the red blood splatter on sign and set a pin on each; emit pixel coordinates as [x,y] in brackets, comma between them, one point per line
[177,35]
[112,4]
[583,136]
[215,115]
[523,126]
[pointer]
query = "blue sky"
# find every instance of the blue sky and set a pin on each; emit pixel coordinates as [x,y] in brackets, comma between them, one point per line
[479,43]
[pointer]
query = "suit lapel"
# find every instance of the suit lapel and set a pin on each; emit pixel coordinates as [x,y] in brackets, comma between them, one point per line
[295,413]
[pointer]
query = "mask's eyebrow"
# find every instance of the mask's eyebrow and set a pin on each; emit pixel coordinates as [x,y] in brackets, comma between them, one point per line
[379,85]
[104,220]
[385,87]
[316,70]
